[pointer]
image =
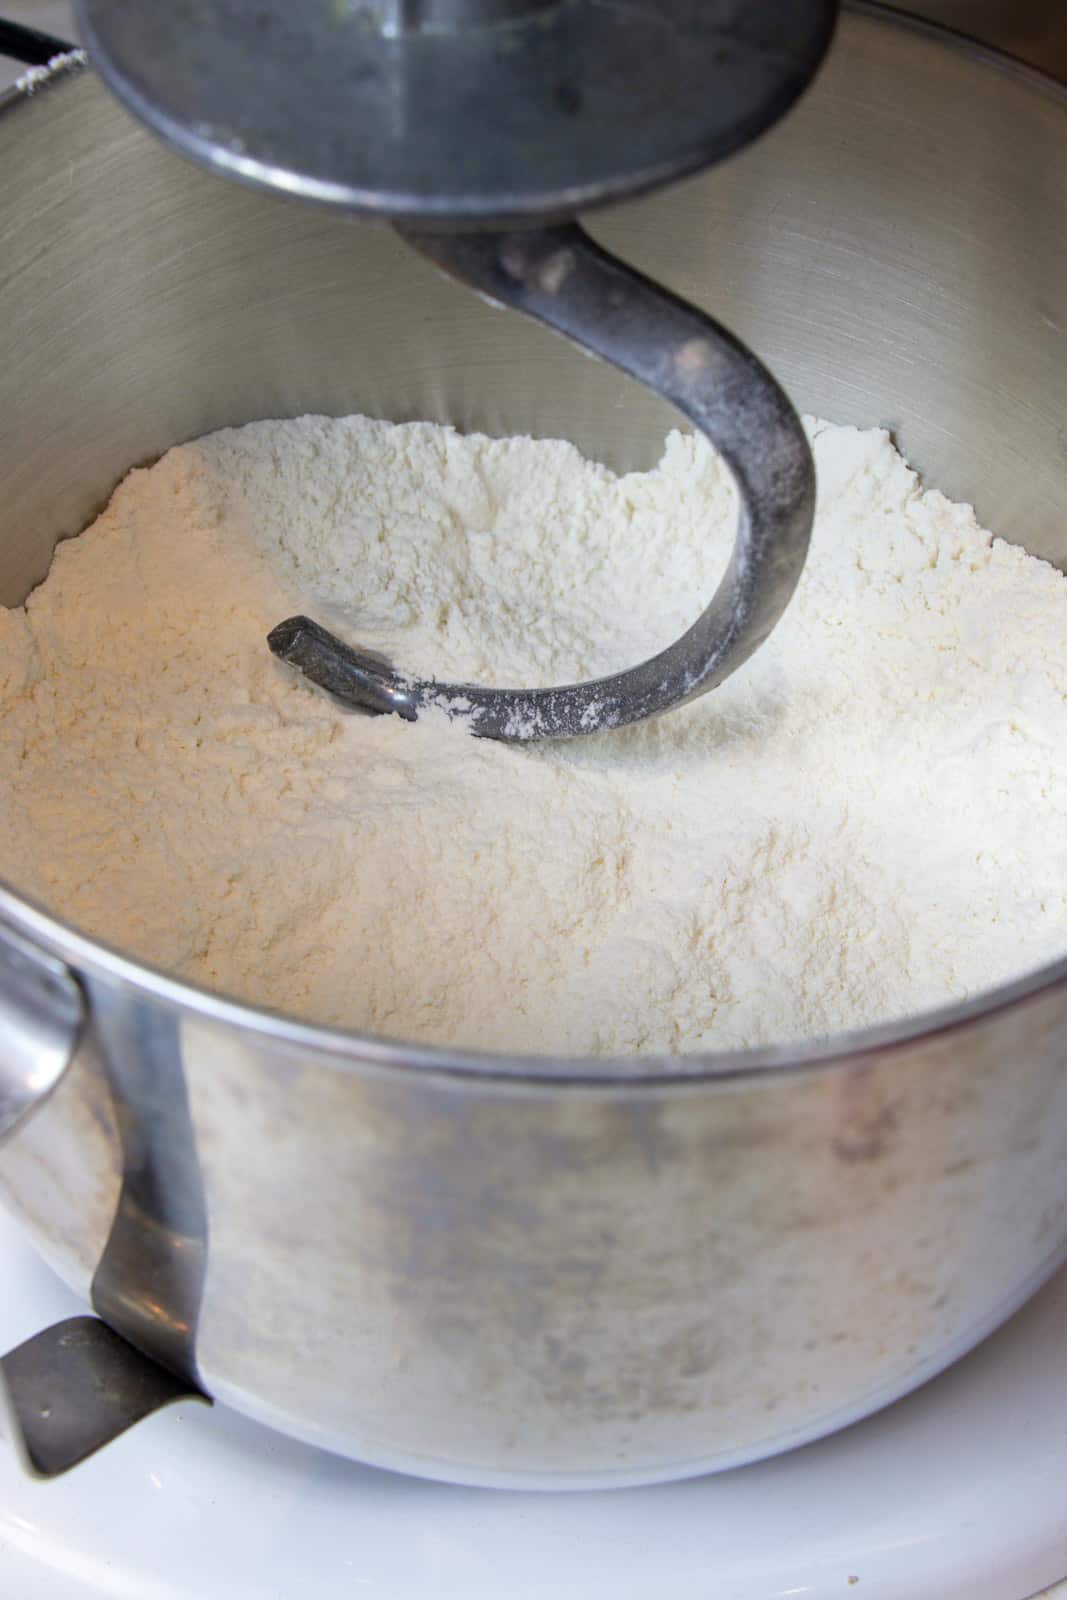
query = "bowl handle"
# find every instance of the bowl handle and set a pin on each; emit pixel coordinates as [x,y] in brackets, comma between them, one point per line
[77,1385]
[42,1010]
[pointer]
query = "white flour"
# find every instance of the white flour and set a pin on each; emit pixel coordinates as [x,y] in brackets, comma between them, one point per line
[866,820]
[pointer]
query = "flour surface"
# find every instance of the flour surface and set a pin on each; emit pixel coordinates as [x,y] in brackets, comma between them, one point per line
[868,819]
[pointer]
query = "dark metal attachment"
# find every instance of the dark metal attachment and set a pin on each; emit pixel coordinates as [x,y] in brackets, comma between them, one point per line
[561,277]
[354,676]
[30,45]
[471,113]
[464,115]
[73,1388]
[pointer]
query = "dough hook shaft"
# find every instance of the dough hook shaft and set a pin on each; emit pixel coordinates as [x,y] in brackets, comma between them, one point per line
[561,277]
[480,128]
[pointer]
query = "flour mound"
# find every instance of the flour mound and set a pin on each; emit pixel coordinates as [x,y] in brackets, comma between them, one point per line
[866,820]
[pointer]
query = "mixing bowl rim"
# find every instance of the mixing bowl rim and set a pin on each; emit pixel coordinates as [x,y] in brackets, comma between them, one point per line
[362,1052]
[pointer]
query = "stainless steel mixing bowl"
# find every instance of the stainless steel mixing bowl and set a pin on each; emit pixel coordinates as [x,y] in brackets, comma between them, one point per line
[516,1271]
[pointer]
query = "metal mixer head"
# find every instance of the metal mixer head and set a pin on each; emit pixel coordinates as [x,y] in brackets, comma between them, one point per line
[477,126]
[475,113]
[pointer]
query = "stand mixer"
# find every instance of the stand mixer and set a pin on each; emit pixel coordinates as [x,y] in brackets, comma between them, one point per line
[479,128]
[497,1269]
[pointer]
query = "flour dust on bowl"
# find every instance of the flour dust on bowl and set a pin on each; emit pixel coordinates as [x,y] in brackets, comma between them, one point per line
[626,1256]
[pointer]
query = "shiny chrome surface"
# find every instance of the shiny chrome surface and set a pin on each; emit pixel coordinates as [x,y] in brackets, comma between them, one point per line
[527,1272]
[40,1017]
[78,1385]
[560,277]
